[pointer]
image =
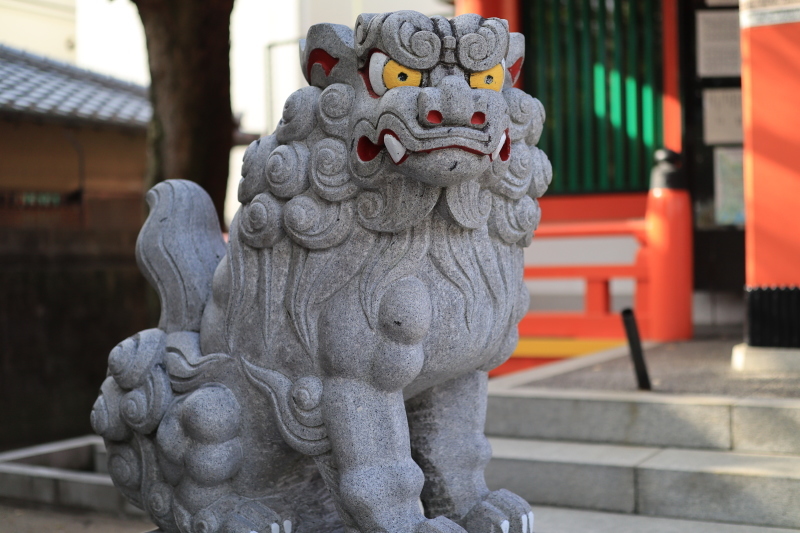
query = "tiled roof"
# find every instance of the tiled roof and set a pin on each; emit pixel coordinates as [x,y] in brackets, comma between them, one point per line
[38,87]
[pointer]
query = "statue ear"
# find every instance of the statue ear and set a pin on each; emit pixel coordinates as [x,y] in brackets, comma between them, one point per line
[327,55]
[514,58]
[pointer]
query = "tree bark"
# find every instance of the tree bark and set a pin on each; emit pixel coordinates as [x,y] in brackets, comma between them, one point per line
[191,133]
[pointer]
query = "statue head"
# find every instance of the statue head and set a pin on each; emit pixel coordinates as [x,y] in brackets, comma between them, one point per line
[402,114]
[427,93]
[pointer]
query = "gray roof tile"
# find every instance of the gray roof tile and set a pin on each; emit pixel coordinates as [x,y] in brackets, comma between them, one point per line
[36,86]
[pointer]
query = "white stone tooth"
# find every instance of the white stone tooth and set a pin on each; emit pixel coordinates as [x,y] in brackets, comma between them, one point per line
[394,147]
[524,519]
[287,526]
[504,526]
[275,528]
[496,152]
[530,520]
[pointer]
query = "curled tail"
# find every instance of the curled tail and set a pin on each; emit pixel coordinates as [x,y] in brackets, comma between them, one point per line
[178,249]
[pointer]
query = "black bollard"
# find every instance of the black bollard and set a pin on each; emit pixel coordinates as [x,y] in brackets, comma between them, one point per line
[635,344]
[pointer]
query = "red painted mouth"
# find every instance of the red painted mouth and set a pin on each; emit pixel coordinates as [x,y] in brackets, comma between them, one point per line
[368,150]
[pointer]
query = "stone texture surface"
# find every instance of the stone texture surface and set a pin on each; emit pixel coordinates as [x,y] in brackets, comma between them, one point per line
[552,520]
[725,487]
[16,519]
[758,360]
[721,486]
[548,520]
[569,474]
[767,425]
[327,367]
[700,366]
[643,419]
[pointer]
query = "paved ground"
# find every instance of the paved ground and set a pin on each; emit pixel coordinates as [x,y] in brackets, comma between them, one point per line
[15,518]
[700,366]
[555,520]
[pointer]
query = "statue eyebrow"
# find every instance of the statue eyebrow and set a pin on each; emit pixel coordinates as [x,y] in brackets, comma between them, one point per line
[448,49]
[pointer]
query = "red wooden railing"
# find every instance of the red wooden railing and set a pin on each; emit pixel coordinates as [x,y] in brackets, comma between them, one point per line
[662,274]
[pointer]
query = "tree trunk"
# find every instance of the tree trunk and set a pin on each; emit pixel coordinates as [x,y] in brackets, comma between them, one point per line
[190,137]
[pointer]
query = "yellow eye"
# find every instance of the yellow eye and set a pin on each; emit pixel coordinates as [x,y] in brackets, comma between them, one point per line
[396,75]
[492,78]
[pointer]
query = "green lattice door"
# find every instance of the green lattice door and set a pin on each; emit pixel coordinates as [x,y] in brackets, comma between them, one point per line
[596,68]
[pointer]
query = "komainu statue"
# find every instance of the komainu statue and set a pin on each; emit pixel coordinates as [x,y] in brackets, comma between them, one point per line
[326,368]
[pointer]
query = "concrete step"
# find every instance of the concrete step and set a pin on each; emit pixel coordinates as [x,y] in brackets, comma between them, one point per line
[721,486]
[646,419]
[559,520]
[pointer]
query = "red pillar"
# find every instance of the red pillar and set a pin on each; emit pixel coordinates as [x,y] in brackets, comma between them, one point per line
[771,120]
[671,101]
[504,9]
[669,210]
[770,43]
[670,264]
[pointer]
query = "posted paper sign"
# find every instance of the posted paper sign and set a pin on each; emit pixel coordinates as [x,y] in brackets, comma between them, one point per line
[718,54]
[722,116]
[728,186]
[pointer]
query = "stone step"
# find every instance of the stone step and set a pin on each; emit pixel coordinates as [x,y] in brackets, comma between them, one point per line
[559,520]
[646,419]
[722,486]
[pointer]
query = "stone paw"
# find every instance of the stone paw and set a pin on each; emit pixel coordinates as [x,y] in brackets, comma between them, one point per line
[501,511]
[254,517]
[439,524]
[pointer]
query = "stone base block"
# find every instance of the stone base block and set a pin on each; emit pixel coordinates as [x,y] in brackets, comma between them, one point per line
[746,358]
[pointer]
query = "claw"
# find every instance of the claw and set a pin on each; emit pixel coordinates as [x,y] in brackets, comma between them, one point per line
[251,517]
[439,524]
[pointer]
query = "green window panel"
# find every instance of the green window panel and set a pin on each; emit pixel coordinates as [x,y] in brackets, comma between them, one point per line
[594,64]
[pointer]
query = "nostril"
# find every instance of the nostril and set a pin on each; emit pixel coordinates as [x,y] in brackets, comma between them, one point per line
[478,118]
[434,117]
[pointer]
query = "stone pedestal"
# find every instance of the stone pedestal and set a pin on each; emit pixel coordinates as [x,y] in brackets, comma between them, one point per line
[746,358]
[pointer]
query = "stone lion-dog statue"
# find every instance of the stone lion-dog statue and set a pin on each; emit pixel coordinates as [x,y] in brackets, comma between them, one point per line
[326,368]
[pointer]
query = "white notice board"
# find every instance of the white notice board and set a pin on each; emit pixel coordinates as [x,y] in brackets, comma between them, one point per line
[718,54]
[722,116]
[728,186]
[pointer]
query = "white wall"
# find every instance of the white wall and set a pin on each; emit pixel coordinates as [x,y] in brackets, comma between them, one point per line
[44,28]
[110,39]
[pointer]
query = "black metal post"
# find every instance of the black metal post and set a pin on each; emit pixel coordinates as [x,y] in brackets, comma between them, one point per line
[635,344]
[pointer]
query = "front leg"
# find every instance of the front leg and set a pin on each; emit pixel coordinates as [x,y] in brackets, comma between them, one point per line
[447,439]
[377,483]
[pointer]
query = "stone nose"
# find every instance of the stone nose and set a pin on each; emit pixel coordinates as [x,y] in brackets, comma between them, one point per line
[450,103]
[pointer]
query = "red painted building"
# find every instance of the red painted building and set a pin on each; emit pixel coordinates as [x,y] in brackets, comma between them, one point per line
[621,79]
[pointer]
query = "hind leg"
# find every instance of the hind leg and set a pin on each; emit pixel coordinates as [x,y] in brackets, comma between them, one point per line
[232,472]
[446,424]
